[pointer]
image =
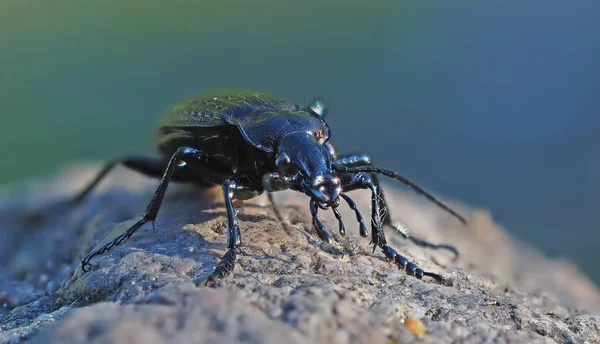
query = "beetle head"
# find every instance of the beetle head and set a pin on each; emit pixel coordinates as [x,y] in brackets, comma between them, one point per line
[301,155]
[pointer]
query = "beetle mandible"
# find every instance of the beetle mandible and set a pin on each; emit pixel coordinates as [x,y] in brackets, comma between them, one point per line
[249,143]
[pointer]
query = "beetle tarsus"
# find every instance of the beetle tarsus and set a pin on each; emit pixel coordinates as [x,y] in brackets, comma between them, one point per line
[410,268]
[223,268]
[435,276]
[116,241]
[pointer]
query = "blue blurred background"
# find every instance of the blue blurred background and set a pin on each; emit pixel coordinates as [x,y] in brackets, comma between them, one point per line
[492,103]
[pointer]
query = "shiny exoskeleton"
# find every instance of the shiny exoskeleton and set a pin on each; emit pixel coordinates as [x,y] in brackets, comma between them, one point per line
[249,143]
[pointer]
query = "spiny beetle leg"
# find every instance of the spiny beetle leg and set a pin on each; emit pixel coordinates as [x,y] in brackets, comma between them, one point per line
[154,204]
[409,267]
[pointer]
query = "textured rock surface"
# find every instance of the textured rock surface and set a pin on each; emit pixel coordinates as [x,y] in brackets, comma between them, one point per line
[288,288]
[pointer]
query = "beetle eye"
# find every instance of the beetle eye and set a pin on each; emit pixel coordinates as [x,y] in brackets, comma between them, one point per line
[283,162]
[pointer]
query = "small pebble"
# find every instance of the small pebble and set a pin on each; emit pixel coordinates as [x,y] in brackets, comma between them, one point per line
[415,325]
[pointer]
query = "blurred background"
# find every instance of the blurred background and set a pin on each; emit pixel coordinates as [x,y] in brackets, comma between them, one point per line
[491,103]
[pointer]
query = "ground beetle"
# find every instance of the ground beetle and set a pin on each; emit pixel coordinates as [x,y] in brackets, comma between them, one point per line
[251,142]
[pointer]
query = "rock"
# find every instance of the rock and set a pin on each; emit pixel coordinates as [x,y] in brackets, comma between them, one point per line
[286,286]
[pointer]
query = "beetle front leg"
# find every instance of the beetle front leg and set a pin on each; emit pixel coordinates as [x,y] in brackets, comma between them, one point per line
[361,160]
[364,181]
[153,206]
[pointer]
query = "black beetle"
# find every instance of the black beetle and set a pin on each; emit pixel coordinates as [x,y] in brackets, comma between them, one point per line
[251,142]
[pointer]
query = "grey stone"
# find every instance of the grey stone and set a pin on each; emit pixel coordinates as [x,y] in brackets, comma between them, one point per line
[285,288]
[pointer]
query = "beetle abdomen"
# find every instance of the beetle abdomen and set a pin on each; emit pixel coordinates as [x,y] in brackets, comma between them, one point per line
[214,108]
[261,119]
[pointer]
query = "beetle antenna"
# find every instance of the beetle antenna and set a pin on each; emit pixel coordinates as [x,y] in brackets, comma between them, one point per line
[397,176]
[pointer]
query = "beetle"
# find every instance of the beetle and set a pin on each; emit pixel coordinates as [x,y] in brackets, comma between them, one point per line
[251,142]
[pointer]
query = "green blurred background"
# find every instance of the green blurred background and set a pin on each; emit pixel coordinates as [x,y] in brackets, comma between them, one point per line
[492,103]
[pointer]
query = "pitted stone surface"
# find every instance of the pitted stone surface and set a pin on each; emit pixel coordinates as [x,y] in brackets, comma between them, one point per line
[291,288]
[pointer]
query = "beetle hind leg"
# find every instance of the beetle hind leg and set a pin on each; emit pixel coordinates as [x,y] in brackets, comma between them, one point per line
[154,204]
[147,165]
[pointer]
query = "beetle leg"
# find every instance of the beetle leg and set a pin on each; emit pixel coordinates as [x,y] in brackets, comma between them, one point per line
[286,226]
[364,181]
[361,160]
[275,182]
[410,267]
[227,262]
[153,206]
[150,166]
